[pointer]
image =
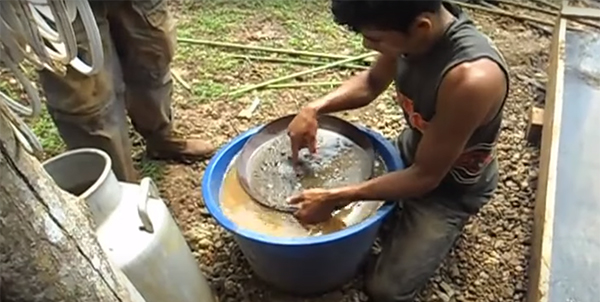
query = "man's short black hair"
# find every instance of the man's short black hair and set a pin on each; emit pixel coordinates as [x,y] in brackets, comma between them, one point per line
[395,15]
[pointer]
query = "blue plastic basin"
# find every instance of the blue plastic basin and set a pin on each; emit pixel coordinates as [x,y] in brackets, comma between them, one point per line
[307,265]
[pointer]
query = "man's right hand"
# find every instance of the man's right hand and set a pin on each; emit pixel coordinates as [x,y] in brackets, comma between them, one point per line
[357,92]
[303,132]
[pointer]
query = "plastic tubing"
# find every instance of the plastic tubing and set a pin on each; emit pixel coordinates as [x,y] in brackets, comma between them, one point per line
[64,44]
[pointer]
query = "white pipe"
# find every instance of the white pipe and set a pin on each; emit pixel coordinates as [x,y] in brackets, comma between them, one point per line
[95,41]
[24,32]
[64,44]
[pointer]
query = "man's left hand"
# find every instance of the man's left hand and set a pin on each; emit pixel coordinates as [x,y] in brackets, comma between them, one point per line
[315,205]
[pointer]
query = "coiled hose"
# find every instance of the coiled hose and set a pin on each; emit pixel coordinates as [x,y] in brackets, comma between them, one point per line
[41,32]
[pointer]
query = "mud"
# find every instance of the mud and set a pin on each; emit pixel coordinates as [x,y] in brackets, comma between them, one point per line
[337,162]
[239,207]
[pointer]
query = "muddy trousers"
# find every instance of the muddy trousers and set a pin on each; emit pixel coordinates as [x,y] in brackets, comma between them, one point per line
[91,111]
[422,235]
[423,232]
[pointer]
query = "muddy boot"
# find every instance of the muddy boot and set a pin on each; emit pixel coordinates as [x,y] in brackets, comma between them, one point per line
[179,149]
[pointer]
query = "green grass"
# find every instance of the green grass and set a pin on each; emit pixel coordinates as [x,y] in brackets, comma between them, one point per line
[289,24]
[152,169]
[44,129]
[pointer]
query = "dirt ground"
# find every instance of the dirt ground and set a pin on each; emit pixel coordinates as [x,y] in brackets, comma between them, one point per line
[490,260]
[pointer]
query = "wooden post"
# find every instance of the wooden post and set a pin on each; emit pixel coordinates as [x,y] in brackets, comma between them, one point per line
[48,249]
[541,247]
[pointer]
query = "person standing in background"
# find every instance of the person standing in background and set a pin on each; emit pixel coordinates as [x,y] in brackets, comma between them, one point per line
[139,41]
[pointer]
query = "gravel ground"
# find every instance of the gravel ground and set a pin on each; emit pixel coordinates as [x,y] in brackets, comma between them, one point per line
[490,260]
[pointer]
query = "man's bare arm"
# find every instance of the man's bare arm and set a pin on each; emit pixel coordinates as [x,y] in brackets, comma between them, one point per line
[359,90]
[467,96]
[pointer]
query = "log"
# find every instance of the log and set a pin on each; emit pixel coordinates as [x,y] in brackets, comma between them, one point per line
[48,249]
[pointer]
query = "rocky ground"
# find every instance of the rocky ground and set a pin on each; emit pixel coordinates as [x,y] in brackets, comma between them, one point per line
[490,260]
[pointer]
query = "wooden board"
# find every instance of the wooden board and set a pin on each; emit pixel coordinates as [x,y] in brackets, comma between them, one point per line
[541,251]
[581,12]
[565,262]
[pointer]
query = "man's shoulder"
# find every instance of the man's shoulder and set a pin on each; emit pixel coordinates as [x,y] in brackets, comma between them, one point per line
[481,71]
[473,84]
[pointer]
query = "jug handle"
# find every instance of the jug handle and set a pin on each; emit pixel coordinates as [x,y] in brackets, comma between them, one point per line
[147,189]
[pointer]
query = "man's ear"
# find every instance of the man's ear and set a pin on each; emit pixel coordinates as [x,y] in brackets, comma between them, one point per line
[422,23]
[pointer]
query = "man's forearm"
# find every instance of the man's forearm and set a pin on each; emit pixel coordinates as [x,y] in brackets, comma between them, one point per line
[391,186]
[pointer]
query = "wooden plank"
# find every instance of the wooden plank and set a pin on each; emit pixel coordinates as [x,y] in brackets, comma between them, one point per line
[541,253]
[535,125]
[580,12]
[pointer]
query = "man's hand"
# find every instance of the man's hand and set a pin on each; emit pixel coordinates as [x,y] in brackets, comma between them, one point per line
[315,205]
[303,132]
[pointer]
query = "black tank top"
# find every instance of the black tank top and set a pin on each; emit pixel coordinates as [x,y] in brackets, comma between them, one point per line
[417,84]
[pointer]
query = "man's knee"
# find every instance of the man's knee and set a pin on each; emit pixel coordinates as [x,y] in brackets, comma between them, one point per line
[77,94]
[386,289]
[421,239]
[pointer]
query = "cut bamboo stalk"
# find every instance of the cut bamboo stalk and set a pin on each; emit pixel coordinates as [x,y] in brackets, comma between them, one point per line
[509,14]
[305,84]
[301,73]
[294,61]
[551,12]
[547,4]
[181,81]
[265,49]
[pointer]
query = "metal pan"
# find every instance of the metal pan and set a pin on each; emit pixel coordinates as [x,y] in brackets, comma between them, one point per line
[249,160]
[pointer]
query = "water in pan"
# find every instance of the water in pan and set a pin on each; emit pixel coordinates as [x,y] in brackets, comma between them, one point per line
[240,208]
[338,162]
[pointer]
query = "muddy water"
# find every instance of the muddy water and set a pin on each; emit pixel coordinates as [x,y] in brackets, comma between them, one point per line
[338,162]
[238,206]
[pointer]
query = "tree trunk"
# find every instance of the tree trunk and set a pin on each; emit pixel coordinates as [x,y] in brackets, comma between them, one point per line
[48,249]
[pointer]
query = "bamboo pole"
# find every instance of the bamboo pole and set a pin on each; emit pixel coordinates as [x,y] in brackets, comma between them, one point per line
[298,74]
[551,12]
[547,4]
[509,14]
[305,84]
[262,48]
[181,81]
[295,61]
